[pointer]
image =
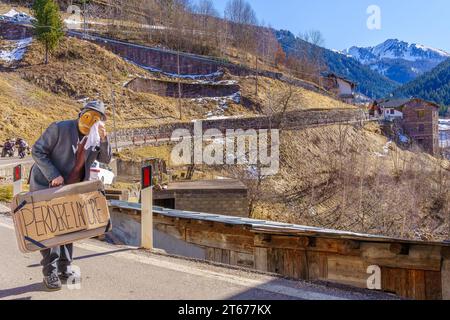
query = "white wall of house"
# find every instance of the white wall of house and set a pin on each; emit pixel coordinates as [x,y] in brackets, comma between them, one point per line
[344,87]
[391,114]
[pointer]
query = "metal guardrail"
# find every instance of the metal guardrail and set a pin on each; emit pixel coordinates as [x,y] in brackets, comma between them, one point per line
[266,226]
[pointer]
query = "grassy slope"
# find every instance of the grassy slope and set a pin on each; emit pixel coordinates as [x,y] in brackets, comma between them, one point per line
[26,109]
[80,69]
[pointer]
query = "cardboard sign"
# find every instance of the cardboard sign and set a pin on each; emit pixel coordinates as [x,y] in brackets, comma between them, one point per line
[58,216]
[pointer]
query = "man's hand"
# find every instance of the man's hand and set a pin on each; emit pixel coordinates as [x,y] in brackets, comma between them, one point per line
[57,182]
[102,132]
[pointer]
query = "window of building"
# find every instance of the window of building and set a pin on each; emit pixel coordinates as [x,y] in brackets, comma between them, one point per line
[392,111]
[421,128]
[421,114]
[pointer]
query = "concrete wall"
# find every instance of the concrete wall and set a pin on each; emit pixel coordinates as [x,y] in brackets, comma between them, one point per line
[127,229]
[291,120]
[187,90]
[127,168]
[10,31]
[167,60]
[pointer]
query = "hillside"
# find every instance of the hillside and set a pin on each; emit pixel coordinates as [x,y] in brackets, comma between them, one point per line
[385,191]
[433,86]
[80,70]
[317,187]
[370,83]
[26,110]
[343,176]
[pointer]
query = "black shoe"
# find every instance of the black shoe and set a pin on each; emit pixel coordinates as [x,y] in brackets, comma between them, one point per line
[66,275]
[52,282]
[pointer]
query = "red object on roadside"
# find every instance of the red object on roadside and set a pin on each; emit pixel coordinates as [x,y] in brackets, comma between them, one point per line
[17,173]
[146,180]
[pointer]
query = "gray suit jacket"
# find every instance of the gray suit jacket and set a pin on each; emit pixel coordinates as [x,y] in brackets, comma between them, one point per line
[54,154]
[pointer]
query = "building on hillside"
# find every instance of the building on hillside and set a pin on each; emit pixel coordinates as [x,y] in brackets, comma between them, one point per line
[224,196]
[343,88]
[391,110]
[418,118]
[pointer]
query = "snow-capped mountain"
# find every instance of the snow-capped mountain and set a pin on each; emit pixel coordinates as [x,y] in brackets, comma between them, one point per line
[398,60]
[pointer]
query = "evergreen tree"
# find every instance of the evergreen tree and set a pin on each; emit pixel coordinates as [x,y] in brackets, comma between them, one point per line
[433,86]
[48,25]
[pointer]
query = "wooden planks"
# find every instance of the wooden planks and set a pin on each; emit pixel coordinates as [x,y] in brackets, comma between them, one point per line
[242,259]
[288,262]
[284,242]
[218,255]
[415,284]
[347,270]
[317,265]
[409,270]
[445,281]
[418,257]
[240,243]
[261,262]
[433,285]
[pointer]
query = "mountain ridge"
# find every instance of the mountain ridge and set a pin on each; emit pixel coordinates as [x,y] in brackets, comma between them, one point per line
[433,85]
[398,60]
[369,82]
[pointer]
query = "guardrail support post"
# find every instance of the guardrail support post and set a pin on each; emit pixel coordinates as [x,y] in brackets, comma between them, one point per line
[17,180]
[147,209]
[147,219]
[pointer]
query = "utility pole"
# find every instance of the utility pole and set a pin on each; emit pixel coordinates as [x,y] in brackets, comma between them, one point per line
[113,102]
[257,73]
[179,85]
[84,19]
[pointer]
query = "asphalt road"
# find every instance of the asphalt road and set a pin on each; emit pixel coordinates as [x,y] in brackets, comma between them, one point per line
[117,272]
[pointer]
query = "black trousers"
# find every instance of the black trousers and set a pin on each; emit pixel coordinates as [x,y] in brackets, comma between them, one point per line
[56,259]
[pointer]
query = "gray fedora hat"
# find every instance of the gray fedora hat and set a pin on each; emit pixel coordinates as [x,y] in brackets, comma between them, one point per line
[95,105]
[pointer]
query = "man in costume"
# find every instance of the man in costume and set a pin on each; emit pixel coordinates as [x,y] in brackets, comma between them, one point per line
[60,159]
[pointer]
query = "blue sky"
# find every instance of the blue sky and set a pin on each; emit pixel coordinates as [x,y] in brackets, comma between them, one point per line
[343,23]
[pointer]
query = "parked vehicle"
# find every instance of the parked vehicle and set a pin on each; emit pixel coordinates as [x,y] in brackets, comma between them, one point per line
[100,171]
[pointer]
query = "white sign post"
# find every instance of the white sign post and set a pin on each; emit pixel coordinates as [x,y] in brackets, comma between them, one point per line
[17,180]
[147,209]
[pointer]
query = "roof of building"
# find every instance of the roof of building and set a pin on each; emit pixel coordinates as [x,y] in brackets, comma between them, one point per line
[218,184]
[398,103]
[333,75]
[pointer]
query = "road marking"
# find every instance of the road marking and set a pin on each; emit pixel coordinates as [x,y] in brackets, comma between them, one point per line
[177,267]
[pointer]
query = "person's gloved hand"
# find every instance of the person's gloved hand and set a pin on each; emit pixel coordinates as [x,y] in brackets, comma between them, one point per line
[102,131]
[57,182]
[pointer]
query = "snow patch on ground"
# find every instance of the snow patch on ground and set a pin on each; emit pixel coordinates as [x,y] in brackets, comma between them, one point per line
[19,48]
[17,17]
[222,104]
[444,124]
[385,150]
